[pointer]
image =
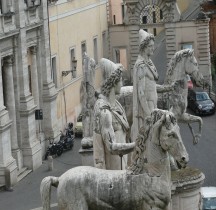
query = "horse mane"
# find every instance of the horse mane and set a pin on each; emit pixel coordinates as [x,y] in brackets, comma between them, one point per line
[138,158]
[185,53]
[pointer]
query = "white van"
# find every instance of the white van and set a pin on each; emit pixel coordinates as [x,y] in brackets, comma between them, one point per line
[208,198]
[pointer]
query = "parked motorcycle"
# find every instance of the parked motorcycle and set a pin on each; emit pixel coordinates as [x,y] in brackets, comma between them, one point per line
[67,139]
[53,149]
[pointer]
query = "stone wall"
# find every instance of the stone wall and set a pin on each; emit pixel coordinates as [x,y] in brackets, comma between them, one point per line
[25,86]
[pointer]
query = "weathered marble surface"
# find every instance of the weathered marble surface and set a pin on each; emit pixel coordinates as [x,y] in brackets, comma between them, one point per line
[140,187]
[181,64]
[145,88]
[186,185]
[110,122]
[88,100]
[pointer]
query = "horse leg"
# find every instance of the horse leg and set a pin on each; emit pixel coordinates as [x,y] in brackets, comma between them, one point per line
[188,118]
[72,202]
[80,205]
[74,206]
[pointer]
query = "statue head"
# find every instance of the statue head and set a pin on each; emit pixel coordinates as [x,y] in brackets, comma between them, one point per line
[112,75]
[144,39]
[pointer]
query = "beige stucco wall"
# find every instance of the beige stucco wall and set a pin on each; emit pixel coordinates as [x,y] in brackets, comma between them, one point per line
[183,4]
[72,23]
[116,9]
[119,39]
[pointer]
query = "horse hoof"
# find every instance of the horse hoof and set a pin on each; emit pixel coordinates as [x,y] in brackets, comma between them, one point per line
[196,139]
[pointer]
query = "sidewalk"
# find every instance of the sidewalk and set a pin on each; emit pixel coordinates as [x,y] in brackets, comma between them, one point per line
[26,193]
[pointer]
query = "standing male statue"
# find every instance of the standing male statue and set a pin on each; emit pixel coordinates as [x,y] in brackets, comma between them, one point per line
[145,89]
[110,122]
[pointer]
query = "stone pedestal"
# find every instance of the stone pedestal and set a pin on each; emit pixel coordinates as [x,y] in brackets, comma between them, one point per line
[87,156]
[17,155]
[186,186]
[7,162]
[86,151]
[32,157]
[8,174]
[87,142]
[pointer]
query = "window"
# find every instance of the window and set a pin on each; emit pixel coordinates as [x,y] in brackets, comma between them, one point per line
[144,19]
[154,17]
[83,50]
[161,14]
[72,57]
[117,55]
[186,46]
[52,1]
[114,19]
[95,51]
[30,80]
[31,3]
[155,31]
[104,43]
[151,14]
[123,11]
[120,56]
[53,70]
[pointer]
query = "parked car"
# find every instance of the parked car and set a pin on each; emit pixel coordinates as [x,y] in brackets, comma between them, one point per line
[200,102]
[189,82]
[79,127]
[208,198]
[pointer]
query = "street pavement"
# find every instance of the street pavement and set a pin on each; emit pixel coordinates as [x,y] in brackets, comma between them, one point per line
[26,193]
[203,154]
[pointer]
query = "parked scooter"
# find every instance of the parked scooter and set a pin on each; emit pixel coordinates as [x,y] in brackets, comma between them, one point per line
[53,149]
[67,139]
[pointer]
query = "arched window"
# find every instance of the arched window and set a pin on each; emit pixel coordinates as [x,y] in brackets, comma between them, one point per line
[151,14]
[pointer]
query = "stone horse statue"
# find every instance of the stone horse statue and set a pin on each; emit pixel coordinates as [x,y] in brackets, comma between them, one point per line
[181,64]
[139,187]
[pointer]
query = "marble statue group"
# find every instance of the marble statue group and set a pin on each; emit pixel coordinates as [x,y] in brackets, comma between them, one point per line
[134,149]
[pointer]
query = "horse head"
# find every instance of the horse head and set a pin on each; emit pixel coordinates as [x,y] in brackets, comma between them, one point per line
[171,141]
[191,66]
[182,63]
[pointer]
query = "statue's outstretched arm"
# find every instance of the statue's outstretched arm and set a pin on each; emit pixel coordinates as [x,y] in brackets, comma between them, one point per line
[165,88]
[109,137]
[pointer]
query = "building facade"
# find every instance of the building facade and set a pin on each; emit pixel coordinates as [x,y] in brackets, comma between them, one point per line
[174,24]
[76,27]
[209,7]
[26,89]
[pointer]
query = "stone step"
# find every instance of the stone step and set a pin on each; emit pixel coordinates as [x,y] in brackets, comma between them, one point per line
[23,173]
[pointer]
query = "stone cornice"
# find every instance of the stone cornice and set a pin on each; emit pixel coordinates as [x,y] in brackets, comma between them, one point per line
[188,178]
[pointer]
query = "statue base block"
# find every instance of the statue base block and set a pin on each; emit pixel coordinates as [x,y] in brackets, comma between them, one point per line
[87,156]
[186,186]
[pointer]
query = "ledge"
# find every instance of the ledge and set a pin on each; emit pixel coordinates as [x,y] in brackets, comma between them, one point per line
[187,179]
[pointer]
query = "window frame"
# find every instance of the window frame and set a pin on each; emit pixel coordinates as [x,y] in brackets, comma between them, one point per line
[72,55]
[54,71]
[95,49]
